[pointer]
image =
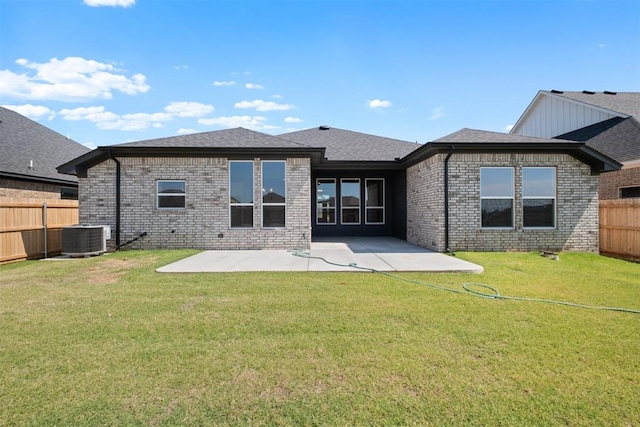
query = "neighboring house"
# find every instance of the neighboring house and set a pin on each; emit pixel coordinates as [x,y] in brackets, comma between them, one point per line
[30,154]
[605,121]
[240,189]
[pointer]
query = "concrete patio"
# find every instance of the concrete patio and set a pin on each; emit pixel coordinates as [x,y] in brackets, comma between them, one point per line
[335,254]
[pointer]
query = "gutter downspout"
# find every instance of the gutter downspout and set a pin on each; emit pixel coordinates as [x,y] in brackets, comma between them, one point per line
[117,197]
[446,199]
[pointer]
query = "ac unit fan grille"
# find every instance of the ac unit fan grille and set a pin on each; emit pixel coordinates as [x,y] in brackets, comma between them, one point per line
[83,240]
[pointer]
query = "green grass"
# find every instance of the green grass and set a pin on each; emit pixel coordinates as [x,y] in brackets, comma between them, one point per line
[107,341]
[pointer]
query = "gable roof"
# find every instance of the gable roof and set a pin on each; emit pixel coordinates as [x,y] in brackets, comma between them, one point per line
[619,104]
[226,142]
[482,136]
[345,145]
[23,141]
[617,135]
[618,138]
[480,141]
[624,103]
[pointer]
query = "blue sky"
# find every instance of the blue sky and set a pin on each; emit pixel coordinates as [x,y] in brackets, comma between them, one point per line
[112,71]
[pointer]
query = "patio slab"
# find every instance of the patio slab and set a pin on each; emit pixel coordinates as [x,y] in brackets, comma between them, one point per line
[335,254]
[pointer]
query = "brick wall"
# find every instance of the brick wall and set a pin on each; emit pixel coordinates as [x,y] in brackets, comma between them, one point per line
[610,182]
[19,189]
[425,204]
[204,223]
[576,201]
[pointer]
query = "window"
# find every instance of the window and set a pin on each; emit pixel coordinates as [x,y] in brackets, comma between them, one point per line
[273,193]
[374,201]
[241,194]
[628,192]
[172,194]
[325,201]
[350,198]
[496,197]
[539,197]
[68,193]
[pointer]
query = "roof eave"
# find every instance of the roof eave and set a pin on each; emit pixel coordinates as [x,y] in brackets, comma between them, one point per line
[326,164]
[80,165]
[530,107]
[596,160]
[34,178]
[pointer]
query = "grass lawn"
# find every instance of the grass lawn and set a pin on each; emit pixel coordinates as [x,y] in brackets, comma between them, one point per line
[107,341]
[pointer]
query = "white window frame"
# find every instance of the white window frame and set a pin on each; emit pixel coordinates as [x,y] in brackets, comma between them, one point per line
[555,198]
[263,193]
[359,208]
[334,207]
[512,198]
[366,202]
[252,204]
[159,194]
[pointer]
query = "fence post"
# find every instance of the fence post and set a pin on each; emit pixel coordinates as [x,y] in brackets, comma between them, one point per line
[44,227]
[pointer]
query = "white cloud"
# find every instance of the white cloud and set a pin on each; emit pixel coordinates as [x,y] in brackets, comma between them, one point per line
[228,83]
[189,109]
[107,120]
[292,120]
[508,128]
[180,67]
[378,103]
[98,3]
[437,113]
[184,131]
[253,86]
[601,45]
[261,105]
[32,111]
[277,96]
[70,79]
[255,122]
[92,114]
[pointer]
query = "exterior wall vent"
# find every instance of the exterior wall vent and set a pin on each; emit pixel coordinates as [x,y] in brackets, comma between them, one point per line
[85,240]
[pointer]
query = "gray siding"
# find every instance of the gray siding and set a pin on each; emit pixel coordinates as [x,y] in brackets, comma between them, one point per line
[206,216]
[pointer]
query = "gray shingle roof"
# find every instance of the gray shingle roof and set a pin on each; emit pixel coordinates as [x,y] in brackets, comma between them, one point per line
[22,140]
[626,103]
[480,141]
[617,138]
[345,145]
[226,138]
[483,136]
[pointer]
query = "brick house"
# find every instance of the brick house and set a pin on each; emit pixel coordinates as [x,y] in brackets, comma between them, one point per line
[30,154]
[241,189]
[605,121]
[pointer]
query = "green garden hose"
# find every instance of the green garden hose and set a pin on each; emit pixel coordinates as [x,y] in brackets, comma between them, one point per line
[467,288]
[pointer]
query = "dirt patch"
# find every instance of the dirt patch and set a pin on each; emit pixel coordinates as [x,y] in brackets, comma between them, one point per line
[109,270]
[193,303]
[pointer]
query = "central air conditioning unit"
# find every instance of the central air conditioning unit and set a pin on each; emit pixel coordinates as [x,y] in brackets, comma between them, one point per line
[85,240]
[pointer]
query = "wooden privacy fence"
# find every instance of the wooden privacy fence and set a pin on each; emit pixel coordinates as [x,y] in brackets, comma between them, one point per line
[32,228]
[620,228]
